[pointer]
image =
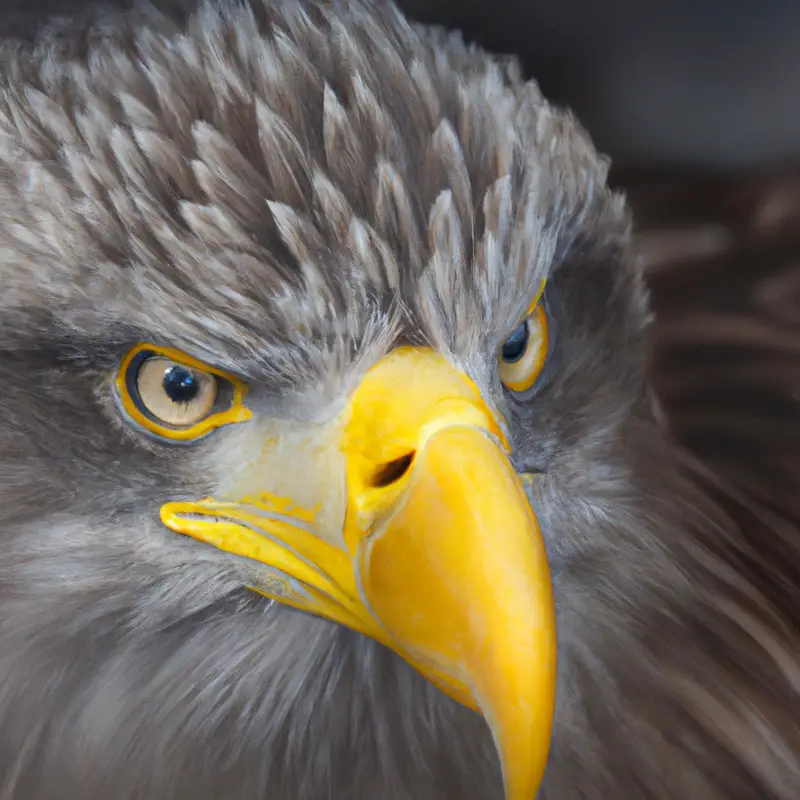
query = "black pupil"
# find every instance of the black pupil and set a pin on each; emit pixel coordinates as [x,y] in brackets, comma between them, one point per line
[181,384]
[515,345]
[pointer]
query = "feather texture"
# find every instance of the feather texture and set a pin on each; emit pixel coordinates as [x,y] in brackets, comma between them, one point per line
[288,189]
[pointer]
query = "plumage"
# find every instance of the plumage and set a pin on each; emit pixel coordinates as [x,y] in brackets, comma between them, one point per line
[288,190]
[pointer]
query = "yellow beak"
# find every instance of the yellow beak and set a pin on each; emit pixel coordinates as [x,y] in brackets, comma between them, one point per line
[439,555]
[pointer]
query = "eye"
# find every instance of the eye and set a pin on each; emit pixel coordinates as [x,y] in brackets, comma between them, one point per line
[174,396]
[524,353]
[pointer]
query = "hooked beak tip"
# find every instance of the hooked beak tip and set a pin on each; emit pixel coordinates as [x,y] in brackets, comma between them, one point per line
[458,578]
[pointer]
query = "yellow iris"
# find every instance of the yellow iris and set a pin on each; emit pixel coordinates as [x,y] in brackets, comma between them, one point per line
[176,397]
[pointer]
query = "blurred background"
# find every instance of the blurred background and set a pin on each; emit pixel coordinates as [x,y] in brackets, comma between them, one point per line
[698,104]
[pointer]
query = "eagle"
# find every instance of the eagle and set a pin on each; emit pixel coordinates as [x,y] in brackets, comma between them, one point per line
[330,462]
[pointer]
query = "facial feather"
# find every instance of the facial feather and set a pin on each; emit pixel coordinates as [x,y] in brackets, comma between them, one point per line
[287,190]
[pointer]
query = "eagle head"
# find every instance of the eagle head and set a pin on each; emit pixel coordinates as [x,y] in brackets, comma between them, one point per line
[322,353]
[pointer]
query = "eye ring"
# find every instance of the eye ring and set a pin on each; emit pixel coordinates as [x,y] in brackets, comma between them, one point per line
[524,354]
[176,397]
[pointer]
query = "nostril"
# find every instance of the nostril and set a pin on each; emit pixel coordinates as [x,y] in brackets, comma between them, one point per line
[393,470]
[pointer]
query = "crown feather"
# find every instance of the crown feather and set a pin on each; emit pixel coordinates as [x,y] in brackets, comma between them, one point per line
[275,148]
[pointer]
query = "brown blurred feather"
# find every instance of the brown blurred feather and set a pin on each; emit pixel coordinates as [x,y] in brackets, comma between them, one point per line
[722,254]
